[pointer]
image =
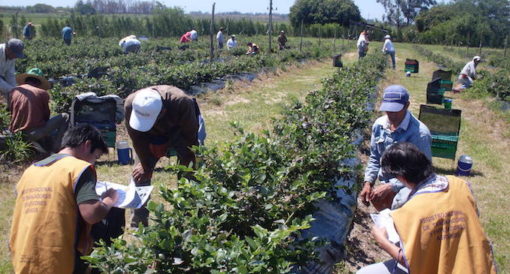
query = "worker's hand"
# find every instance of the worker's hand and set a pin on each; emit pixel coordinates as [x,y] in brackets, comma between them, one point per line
[140,175]
[380,234]
[112,195]
[381,192]
[366,193]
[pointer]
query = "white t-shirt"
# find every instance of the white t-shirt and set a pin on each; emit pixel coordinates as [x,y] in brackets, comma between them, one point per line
[388,46]
[219,37]
[469,69]
[231,43]
[194,35]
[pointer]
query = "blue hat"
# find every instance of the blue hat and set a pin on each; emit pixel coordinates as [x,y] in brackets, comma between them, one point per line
[394,99]
[16,46]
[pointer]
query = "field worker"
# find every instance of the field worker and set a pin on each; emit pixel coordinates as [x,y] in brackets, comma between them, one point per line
[185,38]
[67,34]
[232,42]
[130,44]
[398,125]
[220,38]
[389,49]
[29,31]
[282,40]
[438,227]
[159,119]
[9,51]
[362,44]
[468,74]
[252,48]
[194,35]
[30,112]
[56,206]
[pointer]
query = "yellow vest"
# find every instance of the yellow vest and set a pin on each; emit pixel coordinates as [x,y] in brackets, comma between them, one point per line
[441,231]
[44,225]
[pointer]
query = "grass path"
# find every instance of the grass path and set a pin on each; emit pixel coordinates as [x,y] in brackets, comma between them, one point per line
[484,136]
[252,105]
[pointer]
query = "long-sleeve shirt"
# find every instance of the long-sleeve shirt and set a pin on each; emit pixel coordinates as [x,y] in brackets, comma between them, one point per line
[219,37]
[29,108]
[7,73]
[469,70]
[410,130]
[177,127]
[231,43]
[388,46]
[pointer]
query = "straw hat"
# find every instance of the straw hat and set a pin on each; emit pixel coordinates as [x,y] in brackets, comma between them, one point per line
[34,73]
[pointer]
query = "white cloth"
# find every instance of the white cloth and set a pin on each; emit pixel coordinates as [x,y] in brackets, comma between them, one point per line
[469,70]
[7,73]
[194,35]
[362,41]
[125,39]
[388,46]
[219,37]
[231,43]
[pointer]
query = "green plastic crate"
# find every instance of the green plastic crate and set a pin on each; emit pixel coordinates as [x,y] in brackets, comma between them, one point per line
[411,68]
[444,146]
[446,85]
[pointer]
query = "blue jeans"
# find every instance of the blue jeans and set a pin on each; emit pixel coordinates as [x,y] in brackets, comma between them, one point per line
[392,55]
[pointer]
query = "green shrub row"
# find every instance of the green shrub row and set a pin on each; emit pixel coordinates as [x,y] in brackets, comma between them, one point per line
[441,60]
[494,83]
[128,73]
[245,208]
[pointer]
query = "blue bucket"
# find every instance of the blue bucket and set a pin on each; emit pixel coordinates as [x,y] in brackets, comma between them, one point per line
[464,166]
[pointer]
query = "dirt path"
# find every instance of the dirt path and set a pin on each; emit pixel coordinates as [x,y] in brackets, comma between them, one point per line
[483,136]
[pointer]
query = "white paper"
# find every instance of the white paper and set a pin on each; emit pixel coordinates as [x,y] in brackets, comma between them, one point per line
[384,219]
[130,196]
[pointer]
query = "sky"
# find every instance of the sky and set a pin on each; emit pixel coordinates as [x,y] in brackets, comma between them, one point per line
[369,9]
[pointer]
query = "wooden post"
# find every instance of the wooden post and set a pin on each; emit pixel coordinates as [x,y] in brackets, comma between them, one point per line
[270,31]
[467,44]
[334,42]
[480,48]
[320,34]
[211,30]
[301,34]
[506,43]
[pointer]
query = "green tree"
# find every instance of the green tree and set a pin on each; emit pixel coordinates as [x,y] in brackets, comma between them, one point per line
[84,8]
[399,10]
[323,12]
[40,8]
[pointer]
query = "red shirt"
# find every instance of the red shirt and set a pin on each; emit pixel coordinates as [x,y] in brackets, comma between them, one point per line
[29,108]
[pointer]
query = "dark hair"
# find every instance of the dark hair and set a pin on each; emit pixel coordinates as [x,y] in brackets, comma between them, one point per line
[79,134]
[249,44]
[406,160]
[33,81]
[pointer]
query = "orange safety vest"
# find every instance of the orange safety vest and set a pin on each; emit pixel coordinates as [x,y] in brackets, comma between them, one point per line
[44,226]
[440,230]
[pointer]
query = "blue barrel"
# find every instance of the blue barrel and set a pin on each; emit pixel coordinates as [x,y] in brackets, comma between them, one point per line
[464,166]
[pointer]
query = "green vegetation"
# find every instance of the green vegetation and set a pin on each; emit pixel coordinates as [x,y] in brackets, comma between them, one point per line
[244,209]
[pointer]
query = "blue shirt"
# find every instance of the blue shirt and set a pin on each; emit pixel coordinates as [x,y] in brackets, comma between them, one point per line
[67,33]
[410,130]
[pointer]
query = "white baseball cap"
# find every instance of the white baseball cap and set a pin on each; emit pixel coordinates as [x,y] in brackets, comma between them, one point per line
[147,105]
[387,36]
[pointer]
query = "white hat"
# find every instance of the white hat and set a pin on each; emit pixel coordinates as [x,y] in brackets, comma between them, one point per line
[387,36]
[147,105]
[477,58]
